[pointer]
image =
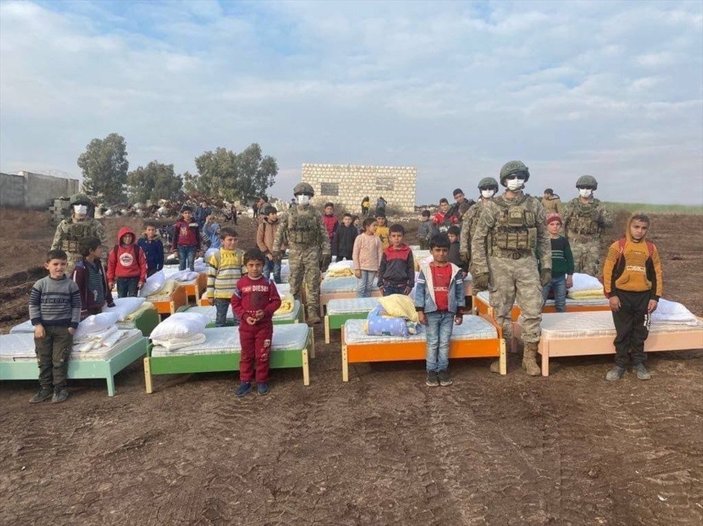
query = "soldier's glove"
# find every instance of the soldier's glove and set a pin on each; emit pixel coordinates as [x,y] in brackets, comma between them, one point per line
[325,262]
[480,281]
[276,255]
[545,276]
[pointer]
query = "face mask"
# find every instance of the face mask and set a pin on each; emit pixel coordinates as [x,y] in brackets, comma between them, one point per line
[585,192]
[302,199]
[487,194]
[80,210]
[515,184]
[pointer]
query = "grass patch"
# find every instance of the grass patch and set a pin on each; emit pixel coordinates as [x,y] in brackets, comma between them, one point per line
[656,209]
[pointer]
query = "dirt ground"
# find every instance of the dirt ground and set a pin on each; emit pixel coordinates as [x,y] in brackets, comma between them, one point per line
[383,449]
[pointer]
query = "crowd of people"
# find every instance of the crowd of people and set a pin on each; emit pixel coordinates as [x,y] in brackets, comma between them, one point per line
[518,247]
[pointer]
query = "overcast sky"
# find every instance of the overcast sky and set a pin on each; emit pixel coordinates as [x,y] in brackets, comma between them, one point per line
[612,89]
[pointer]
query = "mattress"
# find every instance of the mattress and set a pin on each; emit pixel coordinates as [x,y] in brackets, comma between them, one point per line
[20,347]
[292,337]
[348,284]
[472,328]
[211,313]
[598,323]
[483,296]
[351,305]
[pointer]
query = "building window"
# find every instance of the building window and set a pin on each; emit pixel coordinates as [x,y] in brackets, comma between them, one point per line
[329,189]
[385,184]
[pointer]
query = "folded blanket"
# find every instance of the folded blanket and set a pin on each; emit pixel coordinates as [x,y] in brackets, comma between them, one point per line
[93,340]
[287,304]
[339,273]
[586,294]
[399,306]
[180,343]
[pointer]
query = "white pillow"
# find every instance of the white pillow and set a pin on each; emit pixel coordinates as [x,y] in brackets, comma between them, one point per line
[585,282]
[154,284]
[96,323]
[183,275]
[125,306]
[180,325]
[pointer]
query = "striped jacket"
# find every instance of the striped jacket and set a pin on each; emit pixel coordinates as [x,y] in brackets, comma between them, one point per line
[55,302]
[224,270]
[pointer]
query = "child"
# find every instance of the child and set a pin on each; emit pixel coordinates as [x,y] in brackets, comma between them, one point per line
[453,257]
[126,264]
[396,275]
[424,231]
[153,249]
[632,279]
[224,271]
[186,239]
[366,257]
[254,301]
[442,220]
[55,310]
[356,221]
[265,234]
[330,220]
[382,230]
[344,237]
[562,264]
[211,229]
[439,301]
[90,277]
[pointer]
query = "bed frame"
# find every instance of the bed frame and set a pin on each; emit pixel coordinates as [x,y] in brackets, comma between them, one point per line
[229,361]
[482,307]
[80,369]
[176,299]
[336,321]
[416,350]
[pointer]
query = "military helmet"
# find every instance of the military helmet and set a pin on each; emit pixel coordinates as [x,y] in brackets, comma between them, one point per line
[487,183]
[587,181]
[512,168]
[80,199]
[303,188]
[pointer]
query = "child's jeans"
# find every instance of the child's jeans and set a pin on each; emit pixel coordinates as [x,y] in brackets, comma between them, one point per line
[558,285]
[274,267]
[186,257]
[363,290]
[127,287]
[221,308]
[439,330]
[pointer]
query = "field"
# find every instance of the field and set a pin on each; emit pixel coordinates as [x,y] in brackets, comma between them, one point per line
[567,449]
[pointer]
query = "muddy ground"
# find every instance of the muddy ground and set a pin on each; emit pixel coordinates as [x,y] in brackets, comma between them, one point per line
[383,449]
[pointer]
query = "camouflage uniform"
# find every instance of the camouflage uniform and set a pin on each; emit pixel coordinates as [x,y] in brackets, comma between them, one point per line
[303,232]
[69,233]
[583,225]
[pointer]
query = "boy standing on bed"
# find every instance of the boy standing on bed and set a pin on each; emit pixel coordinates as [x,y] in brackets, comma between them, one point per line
[254,301]
[439,301]
[632,279]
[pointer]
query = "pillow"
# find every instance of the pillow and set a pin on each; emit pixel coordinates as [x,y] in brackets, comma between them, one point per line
[399,306]
[96,323]
[183,275]
[180,325]
[125,306]
[154,284]
[585,282]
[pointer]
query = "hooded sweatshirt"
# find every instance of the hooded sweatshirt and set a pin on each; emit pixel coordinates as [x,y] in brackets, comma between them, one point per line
[331,223]
[633,266]
[126,261]
[397,267]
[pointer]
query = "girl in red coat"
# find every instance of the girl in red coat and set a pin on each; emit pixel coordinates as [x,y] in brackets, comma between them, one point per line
[126,264]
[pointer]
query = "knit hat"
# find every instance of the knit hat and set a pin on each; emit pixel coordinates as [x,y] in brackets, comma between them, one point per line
[554,216]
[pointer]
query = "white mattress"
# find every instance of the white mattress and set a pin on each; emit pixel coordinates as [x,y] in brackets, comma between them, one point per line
[484,296]
[346,284]
[472,328]
[20,347]
[211,313]
[597,323]
[292,337]
[26,326]
[351,305]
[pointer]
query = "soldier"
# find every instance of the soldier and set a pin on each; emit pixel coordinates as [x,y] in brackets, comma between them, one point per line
[510,238]
[488,187]
[584,222]
[302,230]
[71,231]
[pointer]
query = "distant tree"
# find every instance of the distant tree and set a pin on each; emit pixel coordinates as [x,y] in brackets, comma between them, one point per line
[232,176]
[154,181]
[104,164]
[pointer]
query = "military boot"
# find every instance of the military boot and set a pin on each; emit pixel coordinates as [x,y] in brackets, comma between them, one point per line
[495,366]
[529,360]
[313,318]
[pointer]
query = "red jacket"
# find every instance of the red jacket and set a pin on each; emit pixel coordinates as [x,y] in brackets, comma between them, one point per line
[251,295]
[331,224]
[126,261]
[186,234]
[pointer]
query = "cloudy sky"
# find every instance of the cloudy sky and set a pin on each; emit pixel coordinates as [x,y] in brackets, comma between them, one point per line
[613,89]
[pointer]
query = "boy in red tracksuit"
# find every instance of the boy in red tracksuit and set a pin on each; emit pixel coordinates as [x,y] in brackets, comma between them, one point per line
[126,264]
[254,301]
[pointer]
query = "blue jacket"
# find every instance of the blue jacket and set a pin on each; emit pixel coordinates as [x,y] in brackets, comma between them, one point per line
[424,291]
[154,252]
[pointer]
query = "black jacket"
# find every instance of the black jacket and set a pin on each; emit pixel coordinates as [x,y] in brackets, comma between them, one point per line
[343,241]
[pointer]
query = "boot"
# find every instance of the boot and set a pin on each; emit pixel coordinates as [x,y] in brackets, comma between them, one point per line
[495,366]
[313,318]
[529,360]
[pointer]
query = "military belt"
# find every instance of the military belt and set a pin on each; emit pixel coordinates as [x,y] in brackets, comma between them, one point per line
[512,254]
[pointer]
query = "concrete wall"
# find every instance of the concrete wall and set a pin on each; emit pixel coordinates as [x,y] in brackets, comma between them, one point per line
[347,184]
[32,190]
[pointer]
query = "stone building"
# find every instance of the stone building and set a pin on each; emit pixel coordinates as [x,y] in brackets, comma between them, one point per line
[347,184]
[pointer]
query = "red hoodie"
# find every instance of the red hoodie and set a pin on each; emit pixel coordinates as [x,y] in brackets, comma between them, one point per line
[126,261]
[331,224]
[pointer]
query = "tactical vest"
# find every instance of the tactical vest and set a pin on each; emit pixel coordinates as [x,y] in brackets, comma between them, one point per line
[580,220]
[73,232]
[303,227]
[516,228]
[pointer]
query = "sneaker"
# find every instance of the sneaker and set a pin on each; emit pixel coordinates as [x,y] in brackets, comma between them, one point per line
[615,373]
[43,394]
[444,379]
[642,372]
[432,379]
[262,388]
[60,395]
[243,389]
